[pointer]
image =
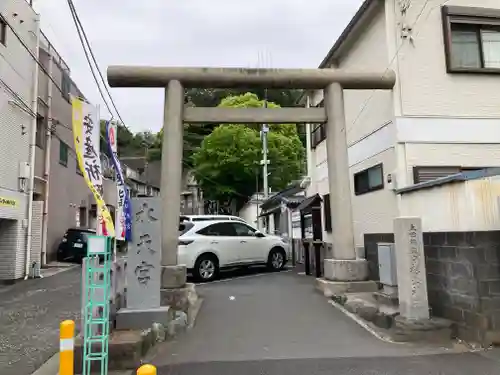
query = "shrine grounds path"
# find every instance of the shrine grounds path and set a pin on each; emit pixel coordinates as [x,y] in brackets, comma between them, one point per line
[275,324]
[30,314]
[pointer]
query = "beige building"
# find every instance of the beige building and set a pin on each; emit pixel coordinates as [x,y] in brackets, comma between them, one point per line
[68,203]
[442,117]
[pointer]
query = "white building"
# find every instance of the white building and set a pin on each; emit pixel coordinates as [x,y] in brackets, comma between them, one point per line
[442,117]
[19,30]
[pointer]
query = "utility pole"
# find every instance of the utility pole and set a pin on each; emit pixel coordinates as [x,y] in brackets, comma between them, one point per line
[264,162]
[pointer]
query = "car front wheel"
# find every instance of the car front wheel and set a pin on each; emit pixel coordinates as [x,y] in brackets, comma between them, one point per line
[276,260]
[206,268]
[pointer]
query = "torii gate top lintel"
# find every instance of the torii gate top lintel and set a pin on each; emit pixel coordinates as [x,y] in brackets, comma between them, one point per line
[145,76]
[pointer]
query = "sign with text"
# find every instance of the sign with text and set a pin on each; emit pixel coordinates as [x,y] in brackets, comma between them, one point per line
[8,202]
[144,254]
[86,134]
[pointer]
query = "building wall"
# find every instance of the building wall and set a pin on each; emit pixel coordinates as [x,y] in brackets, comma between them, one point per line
[370,130]
[427,90]
[367,110]
[374,212]
[12,235]
[250,212]
[16,79]
[68,191]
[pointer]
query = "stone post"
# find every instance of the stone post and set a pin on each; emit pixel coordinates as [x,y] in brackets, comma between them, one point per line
[173,290]
[344,267]
[410,261]
[143,268]
[172,274]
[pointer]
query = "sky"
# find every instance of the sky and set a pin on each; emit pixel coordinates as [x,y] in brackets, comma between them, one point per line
[228,33]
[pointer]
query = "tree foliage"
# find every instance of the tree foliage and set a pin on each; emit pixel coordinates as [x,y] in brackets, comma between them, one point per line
[227,165]
[130,144]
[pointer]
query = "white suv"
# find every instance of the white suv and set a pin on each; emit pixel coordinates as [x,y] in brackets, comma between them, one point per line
[205,247]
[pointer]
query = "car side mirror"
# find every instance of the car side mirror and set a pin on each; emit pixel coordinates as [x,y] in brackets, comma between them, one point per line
[259,235]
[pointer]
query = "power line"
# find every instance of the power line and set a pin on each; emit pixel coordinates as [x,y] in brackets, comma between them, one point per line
[78,22]
[365,105]
[81,33]
[40,65]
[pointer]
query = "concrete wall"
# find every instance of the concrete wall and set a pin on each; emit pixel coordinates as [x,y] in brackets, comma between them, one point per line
[463,281]
[461,206]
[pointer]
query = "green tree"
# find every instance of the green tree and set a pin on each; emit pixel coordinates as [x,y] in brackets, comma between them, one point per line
[228,162]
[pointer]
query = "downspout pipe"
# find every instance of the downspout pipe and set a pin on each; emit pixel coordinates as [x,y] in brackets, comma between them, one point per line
[32,151]
[46,169]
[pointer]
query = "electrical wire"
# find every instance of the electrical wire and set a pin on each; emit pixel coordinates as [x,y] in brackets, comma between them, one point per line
[365,104]
[40,65]
[81,35]
[90,56]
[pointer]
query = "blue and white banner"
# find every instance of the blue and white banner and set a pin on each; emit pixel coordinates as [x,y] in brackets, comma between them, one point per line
[123,216]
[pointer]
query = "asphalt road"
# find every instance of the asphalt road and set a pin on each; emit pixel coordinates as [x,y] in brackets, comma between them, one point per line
[275,324]
[30,313]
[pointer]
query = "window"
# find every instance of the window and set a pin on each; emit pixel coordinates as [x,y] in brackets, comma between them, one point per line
[63,153]
[243,230]
[218,229]
[318,134]
[3,31]
[327,213]
[370,179]
[318,131]
[472,39]
[40,131]
[65,85]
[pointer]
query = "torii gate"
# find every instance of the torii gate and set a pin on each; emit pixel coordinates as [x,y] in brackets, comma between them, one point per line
[344,267]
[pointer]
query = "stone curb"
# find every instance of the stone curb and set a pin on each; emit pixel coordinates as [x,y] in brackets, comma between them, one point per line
[179,324]
[362,323]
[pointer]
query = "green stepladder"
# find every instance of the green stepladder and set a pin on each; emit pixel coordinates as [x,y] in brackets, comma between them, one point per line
[95,317]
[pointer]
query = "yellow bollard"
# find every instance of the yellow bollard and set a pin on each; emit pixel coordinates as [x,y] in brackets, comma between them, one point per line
[146,370]
[66,347]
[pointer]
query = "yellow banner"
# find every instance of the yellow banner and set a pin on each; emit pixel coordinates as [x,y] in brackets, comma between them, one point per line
[88,158]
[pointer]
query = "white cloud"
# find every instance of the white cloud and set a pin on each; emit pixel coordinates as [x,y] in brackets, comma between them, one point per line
[265,33]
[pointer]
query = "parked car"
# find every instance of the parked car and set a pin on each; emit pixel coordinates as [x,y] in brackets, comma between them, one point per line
[210,217]
[73,246]
[206,247]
